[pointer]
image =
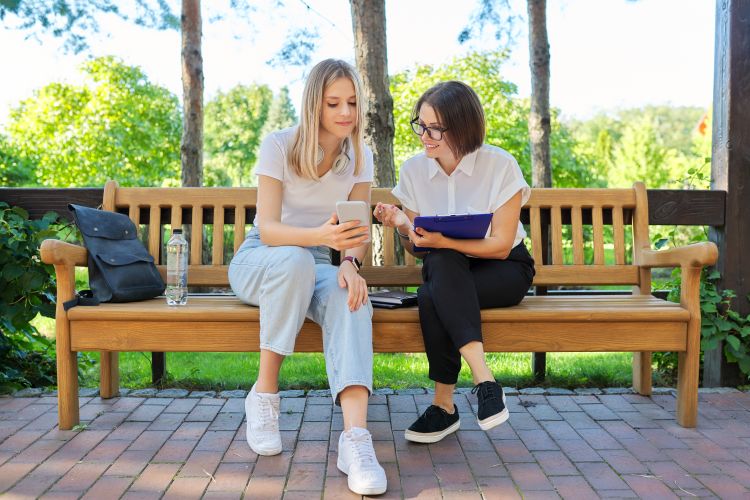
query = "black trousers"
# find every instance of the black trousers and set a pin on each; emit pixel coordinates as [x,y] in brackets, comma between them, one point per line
[455,288]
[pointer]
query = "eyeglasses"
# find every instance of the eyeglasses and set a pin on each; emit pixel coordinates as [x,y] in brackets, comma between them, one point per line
[435,133]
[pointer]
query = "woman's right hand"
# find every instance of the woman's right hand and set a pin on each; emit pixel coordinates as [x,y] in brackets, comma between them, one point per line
[390,215]
[342,236]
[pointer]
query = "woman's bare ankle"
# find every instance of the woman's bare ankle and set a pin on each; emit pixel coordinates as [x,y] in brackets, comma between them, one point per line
[266,388]
[447,406]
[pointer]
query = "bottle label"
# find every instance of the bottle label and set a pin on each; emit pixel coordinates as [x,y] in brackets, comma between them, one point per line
[177,265]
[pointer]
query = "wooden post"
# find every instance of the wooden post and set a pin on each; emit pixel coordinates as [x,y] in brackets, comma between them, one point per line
[158,367]
[729,171]
[539,359]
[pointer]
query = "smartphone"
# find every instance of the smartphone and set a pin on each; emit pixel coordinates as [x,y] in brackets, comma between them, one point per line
[354,210]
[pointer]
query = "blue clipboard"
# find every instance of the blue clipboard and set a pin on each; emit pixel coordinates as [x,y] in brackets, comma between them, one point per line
[463,226]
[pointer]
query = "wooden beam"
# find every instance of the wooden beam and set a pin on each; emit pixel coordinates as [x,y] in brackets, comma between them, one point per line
[39,201]
[729,166]
[680,207]
[666,206]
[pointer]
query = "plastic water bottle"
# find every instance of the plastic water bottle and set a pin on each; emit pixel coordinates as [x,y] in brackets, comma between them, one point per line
[177,269]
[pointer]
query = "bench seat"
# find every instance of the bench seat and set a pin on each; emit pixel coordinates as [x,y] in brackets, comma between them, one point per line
[224,324]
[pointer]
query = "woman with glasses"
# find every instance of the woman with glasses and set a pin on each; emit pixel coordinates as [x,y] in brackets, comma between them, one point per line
[457,173]
[284,265]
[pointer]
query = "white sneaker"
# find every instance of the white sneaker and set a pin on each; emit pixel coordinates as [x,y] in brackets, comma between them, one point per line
[358,461]
[262,412]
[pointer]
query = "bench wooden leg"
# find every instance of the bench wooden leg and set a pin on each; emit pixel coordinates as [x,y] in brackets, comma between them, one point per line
[67,388]
[642,373]
[689,361]
[109,385]
[687,388]
[67,359]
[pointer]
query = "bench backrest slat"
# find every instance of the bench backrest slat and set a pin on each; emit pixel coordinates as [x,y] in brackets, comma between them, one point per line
[614,221]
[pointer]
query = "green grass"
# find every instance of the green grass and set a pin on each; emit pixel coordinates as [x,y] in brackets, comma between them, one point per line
[220,371]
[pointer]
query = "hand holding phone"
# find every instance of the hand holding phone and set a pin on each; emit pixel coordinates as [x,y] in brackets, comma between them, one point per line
[354,210]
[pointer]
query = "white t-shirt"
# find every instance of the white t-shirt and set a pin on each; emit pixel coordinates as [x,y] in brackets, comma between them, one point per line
[482,182]
[306,202]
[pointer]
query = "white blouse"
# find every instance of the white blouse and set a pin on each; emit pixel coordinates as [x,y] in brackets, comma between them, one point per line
[306,202]
[482,182]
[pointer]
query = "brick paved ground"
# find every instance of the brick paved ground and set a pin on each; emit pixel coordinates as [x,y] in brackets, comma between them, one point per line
[555,446]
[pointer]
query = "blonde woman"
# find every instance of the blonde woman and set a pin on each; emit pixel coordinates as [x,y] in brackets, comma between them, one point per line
[284,265]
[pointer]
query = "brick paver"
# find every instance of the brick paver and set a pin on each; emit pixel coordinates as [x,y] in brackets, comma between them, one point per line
[580,446]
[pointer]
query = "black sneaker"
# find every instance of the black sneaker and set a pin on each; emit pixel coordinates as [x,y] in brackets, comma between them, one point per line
[492,411]
[433,425]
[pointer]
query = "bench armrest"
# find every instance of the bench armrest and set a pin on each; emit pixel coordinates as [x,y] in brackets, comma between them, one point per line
[695,255]
[61,253]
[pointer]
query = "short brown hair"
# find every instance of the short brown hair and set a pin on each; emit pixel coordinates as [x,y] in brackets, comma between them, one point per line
[460,112]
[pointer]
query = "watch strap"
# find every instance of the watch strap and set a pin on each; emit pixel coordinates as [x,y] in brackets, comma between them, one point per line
[356,263]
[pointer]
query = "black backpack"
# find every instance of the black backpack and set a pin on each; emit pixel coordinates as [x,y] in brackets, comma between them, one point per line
[120,268]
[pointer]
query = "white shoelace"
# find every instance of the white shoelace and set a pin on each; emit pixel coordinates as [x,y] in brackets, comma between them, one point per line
[269,414]
[364,453]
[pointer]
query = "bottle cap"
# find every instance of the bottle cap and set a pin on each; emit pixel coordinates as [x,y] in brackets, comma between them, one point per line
[176,231]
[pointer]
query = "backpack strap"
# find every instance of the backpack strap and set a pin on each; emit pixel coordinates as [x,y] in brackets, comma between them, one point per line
[82,298]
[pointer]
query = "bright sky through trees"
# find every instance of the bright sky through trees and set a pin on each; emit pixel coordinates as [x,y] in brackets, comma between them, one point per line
[605,54]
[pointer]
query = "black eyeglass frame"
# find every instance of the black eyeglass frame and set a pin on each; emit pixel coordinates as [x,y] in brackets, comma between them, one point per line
[416,125]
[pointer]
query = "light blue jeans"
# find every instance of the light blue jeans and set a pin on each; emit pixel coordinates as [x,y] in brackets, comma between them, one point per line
[290,283]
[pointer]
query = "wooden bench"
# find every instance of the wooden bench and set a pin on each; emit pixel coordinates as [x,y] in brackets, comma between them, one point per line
[578,221]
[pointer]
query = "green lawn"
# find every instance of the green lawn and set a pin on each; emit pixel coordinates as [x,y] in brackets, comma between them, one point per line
[219,371]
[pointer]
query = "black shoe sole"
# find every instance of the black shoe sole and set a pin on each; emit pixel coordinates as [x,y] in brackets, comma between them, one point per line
[431,437]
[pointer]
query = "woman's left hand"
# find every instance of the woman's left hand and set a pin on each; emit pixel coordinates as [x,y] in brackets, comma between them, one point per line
[426,239]
[350,278]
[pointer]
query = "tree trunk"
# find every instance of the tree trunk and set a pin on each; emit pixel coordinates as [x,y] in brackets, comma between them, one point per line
[539,131]
[191,150]
[539,118]
[368,24]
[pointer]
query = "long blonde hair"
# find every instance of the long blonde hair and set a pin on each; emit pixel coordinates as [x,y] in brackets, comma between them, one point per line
[303,157]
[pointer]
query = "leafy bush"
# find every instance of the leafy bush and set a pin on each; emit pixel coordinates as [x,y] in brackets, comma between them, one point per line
[719,323]
[27,288]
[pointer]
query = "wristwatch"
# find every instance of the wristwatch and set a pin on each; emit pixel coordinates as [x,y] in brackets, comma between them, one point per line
[357,264]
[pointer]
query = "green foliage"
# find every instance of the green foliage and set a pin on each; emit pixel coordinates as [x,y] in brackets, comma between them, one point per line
[659,145]
[719,322]
[506,116]
[71,20]
[299,45]
[27,288]
[674,125]
[640,154]
[14,170]
[233,124]
[281,115]
[117,125]
[495,14]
